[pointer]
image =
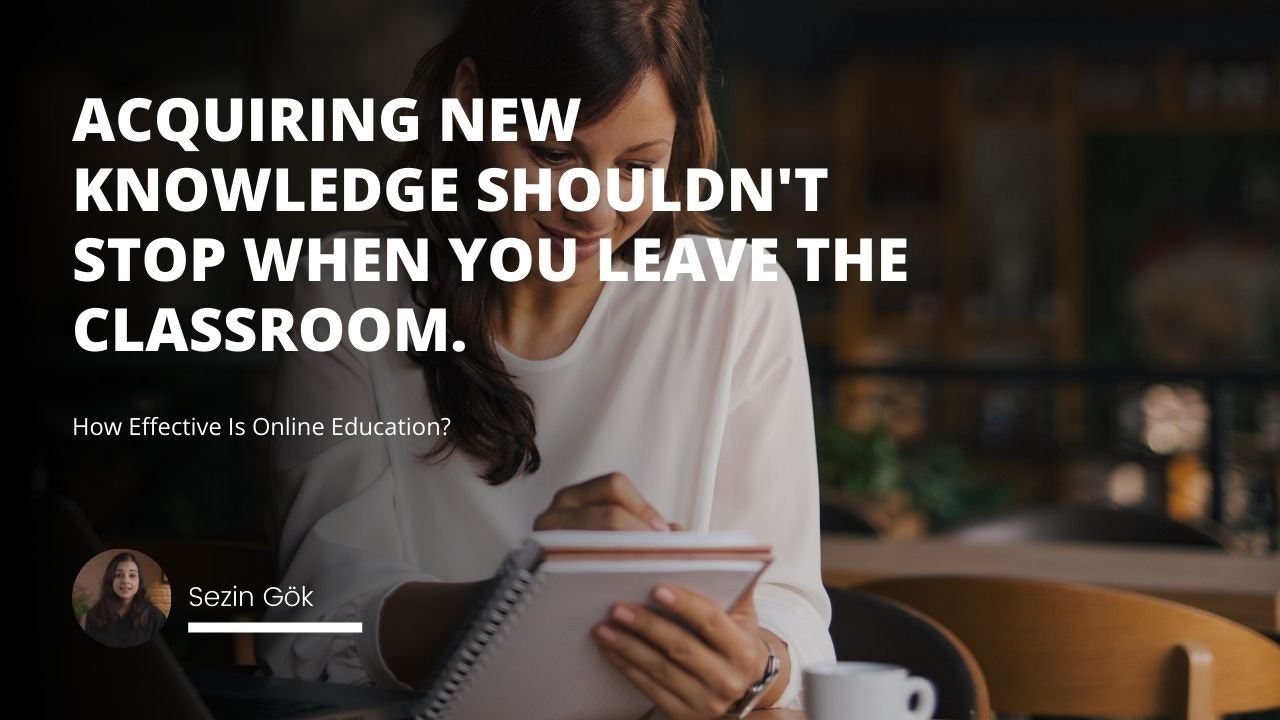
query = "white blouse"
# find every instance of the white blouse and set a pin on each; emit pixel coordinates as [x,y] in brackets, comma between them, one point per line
[697,391]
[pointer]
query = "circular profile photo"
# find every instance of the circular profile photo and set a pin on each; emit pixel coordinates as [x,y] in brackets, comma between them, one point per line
[121,597]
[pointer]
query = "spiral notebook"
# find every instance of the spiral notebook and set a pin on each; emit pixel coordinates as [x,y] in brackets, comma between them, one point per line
[526,650]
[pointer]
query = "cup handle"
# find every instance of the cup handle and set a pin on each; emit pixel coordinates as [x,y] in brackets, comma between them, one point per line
[926,698]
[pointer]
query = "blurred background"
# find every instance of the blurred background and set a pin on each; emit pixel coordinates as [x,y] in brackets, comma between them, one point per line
[1091,193]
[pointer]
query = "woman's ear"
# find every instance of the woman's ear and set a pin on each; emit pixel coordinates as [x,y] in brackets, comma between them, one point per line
[466,81]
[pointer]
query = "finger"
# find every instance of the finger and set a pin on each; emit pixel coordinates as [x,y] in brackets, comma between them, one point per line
[591,517]
[702,617]
[609,517]
[659,668]
[665,700]
[548,520]
[646,657]
[611,489]
[683,648]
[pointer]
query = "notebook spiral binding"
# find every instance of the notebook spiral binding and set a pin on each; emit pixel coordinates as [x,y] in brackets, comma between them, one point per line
[483,630]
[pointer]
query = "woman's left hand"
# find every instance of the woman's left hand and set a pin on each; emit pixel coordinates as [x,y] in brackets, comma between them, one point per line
[696,670]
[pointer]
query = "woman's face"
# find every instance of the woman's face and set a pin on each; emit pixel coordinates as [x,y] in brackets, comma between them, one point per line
[125,581]
[638,133]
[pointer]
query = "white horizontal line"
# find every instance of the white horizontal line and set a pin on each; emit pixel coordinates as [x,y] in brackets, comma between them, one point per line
[274,627]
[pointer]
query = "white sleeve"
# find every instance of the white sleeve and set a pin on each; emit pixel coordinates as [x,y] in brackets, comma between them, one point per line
[333,503]
[767,475]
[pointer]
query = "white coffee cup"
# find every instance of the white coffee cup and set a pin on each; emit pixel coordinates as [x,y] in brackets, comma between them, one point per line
[866,691]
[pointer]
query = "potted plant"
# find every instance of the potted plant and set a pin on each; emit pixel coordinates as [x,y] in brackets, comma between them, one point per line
[901,490]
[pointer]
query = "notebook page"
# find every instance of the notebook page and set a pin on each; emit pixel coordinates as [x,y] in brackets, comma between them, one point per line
[546,664]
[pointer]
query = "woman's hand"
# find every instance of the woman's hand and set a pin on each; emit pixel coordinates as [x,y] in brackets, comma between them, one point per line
[696,670]
[609,502]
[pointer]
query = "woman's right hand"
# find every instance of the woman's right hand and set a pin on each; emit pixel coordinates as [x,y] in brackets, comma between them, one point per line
[608,502]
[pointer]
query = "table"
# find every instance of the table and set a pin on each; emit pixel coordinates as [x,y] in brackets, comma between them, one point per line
[1244,589]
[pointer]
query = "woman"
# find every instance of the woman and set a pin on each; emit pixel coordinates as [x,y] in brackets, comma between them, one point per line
[579,404]
[123,616]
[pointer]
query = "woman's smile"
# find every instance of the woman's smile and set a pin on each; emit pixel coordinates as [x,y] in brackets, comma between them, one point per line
[584,247]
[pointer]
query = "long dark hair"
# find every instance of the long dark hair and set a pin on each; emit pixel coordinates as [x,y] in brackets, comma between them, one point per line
[595,50]
[106,611]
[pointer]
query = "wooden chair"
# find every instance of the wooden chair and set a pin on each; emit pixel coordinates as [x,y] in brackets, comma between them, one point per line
[1057,649]
[869,628]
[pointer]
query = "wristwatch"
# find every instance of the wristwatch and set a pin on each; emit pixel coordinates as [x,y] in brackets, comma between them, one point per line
[752,697]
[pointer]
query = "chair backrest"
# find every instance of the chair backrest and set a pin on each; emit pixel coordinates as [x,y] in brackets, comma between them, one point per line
[833,518]
[869,628]
[1057,649]
[1086,523]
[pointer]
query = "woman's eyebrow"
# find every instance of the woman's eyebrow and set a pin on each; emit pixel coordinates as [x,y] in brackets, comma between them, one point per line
[577,142]
[644,145]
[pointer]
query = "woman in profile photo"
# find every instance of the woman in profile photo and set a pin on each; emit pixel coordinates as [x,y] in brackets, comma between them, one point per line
[123,616]
[578,404]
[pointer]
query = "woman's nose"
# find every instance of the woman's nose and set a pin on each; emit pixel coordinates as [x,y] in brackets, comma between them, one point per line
[598,220]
